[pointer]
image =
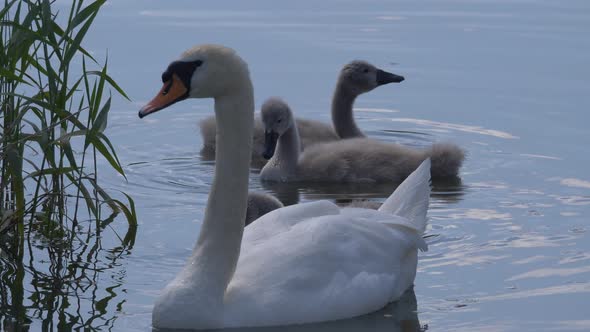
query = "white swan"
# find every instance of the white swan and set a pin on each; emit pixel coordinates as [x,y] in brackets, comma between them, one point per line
[303,263]
[350,160]
[355,78]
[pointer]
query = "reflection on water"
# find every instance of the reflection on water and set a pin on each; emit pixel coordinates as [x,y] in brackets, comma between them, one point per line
[69,285]
[458,127]
[571,182]
[400,316]
[444,190]
[396,135]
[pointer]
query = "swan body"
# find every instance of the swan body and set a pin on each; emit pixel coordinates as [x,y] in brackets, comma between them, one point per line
[355,78]
[340,263]
[350,160]
[298,264]
[260,204]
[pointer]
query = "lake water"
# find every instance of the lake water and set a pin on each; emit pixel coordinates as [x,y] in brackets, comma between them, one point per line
[506,80]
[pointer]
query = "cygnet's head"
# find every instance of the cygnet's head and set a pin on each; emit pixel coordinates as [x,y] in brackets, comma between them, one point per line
[260,204]
[277,119]
[360,77]
[204,71]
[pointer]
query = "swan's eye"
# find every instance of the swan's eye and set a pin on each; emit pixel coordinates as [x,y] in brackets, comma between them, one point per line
[167,89]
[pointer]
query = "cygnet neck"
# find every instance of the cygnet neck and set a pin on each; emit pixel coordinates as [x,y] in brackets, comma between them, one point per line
[342,111]
[287,151]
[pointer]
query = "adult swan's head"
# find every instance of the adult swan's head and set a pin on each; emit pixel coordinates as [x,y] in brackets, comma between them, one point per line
[205,71]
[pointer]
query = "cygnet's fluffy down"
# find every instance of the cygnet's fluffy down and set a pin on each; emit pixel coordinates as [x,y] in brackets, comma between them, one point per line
[260,204]
[367,160]
[355,78]
[350,160]
[362,204]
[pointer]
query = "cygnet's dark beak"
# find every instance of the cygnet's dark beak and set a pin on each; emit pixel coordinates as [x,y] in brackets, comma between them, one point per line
[270,143]
[384,77]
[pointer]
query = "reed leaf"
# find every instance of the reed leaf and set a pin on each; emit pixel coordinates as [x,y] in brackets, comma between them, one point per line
[85,13]
[11,76]
[129,212]
[108,153]
[110,80]
[51,171]
[74,45]
[45,108]
[99,124]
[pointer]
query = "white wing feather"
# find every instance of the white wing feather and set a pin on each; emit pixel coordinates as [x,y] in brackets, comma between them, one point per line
[411,198]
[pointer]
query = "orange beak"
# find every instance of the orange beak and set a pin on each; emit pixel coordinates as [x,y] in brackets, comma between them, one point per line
[172,91]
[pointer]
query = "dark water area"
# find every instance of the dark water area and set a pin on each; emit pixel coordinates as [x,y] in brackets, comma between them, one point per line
[506,80]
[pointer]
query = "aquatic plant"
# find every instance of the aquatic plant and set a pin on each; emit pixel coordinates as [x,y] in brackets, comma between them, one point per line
[54,104]
[54,111]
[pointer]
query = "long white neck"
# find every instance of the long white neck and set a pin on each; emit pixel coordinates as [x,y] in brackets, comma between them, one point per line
[342,117]
[217,251]
[284,160]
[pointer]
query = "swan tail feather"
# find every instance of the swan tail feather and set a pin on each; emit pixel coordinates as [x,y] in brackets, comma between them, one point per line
[446,159]
[410,200]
